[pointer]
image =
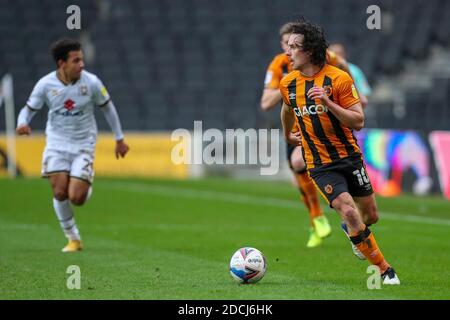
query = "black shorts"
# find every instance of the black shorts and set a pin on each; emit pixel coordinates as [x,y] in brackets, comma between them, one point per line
[345,175]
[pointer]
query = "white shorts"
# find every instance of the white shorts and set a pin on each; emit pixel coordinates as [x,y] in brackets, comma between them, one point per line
[78,165]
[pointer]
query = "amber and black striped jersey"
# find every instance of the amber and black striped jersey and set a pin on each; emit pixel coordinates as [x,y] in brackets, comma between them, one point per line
[324,138]
[280,67]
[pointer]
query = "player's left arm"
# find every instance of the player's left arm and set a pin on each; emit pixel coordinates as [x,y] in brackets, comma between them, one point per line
[110,112]
[101,98]
[349,111]
[352,117]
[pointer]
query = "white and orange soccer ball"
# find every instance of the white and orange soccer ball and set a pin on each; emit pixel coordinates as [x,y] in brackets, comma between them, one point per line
[247,265]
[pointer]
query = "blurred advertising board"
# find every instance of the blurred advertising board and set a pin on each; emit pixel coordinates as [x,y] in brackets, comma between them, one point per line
[149,156]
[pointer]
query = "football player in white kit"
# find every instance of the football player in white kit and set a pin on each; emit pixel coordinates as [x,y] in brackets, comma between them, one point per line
[71,95]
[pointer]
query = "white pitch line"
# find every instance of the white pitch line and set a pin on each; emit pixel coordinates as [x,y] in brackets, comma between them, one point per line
[189,193]
[412,218]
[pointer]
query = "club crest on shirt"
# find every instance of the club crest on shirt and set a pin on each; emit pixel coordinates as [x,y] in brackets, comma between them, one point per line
[329,189]
[328,90]
[83,90]
[54,92]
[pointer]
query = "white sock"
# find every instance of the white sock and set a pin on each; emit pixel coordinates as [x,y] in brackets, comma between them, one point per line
[89,193]
[66,219]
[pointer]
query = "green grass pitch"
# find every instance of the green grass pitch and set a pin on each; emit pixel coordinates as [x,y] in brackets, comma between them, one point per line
[162,239]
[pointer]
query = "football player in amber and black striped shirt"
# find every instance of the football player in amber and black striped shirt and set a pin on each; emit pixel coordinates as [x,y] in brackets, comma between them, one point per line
[271,97]
[325,103]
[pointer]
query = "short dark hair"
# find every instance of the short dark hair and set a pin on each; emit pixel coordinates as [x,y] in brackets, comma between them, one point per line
[60,48]
[285,28]
[314,40]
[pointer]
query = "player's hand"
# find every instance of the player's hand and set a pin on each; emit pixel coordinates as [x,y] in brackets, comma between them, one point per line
[318,93]
[121,149]
[294,138]
[23,129]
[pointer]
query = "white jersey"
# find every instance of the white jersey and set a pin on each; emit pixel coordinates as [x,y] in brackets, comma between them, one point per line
[71,123]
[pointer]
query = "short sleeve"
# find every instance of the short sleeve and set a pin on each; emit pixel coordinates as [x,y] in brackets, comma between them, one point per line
[332,58]
[273,75]
[284,92]
[346,91]
[37,96]
[100,94]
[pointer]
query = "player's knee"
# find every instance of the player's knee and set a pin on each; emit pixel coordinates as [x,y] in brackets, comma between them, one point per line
[60,194]
[77,199]
[370,214]
[372,217]
[349,213]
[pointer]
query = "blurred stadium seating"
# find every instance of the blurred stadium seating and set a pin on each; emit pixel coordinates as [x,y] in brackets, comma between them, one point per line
[167,63]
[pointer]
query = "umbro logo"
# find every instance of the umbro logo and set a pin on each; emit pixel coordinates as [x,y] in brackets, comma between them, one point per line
[292,96]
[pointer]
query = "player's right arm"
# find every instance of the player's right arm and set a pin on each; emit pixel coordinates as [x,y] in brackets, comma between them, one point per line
[271,96]
[288,122]
[34,104]
[288,119]
[24,119]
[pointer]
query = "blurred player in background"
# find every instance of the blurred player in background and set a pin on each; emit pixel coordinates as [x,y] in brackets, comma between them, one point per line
[71,95]
[324,101]
[361,83]
[271,97]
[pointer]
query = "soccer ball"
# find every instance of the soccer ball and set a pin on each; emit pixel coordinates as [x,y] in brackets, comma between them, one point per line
[247,265]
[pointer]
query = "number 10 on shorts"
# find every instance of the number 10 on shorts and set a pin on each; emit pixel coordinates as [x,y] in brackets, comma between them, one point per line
[362,176]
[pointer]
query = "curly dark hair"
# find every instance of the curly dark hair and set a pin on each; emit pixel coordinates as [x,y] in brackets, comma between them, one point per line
[314,40]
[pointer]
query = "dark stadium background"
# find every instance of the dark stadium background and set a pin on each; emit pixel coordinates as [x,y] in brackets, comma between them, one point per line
[167,63]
